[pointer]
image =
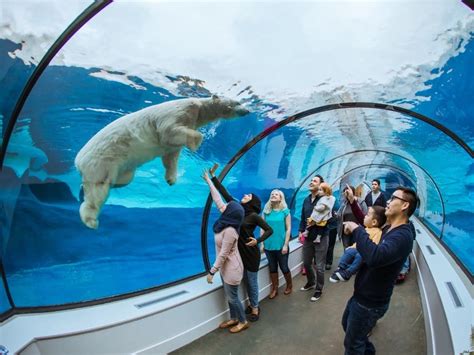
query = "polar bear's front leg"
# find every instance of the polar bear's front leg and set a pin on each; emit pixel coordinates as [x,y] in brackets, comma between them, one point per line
[185,136]
[170,162]
[95,195]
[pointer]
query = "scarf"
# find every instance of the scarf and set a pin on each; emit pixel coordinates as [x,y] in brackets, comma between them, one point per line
[231,217]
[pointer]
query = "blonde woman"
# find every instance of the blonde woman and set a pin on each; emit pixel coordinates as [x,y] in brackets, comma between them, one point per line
[277,215]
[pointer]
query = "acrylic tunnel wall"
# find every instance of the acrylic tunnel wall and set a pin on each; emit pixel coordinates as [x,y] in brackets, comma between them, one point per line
[150,233]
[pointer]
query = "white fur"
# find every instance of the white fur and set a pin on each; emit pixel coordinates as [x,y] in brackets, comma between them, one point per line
[109,158]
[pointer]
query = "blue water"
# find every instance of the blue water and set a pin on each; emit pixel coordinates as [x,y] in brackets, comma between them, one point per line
[50,258]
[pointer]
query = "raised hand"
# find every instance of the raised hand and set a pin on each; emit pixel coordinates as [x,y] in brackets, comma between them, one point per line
[213,169]
[205,176]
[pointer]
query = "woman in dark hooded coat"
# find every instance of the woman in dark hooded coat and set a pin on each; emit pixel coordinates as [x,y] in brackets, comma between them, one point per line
[228,261]
[248,248]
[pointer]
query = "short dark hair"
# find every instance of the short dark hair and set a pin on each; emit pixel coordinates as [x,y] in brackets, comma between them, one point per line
[411,197]
[377,181]
[320,177]
[379,215]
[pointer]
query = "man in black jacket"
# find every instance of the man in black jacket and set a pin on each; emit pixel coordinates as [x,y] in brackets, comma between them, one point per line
[376,197]
[375,280]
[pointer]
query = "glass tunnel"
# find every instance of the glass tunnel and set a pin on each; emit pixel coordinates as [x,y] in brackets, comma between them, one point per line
[322,100]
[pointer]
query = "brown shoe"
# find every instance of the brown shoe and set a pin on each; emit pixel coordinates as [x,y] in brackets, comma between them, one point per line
[228,323]
[239,327]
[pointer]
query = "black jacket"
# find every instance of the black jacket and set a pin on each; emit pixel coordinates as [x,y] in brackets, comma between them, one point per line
[380,201]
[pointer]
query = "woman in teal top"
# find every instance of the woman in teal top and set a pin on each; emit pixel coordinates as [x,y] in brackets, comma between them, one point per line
[277,215]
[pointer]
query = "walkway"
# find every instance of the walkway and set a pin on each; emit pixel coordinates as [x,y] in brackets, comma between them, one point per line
[293,324]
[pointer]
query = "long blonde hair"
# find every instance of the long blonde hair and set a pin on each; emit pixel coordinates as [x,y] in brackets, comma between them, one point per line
[281,206]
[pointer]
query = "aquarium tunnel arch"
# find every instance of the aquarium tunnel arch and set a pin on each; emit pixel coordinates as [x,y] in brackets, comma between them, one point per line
[152,236]
[410,180]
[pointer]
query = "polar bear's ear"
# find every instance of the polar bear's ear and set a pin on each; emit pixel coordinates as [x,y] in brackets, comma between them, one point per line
[215,97]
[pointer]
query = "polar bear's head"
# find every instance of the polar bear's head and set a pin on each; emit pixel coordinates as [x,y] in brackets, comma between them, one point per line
[218,107]
[229,108]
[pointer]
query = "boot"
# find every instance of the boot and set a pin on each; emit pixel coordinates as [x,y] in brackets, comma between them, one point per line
[274,278]
[289,283]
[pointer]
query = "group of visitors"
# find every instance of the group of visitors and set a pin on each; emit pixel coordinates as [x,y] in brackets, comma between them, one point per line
[376,234]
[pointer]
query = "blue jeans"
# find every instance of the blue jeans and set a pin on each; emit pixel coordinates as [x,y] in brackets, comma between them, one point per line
[235,306]
[406,266]
[357,322]
[350,260]
[275,258]
[251,278]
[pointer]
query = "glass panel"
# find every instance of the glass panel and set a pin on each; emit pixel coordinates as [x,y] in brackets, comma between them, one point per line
[24,39]
[150,233]
[52,258]
[4,304]
[8,193]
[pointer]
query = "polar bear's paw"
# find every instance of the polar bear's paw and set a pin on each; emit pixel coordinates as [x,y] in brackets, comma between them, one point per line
[171,180]
[89,216]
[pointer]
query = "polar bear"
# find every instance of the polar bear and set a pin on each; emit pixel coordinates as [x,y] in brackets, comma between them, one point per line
[110,157]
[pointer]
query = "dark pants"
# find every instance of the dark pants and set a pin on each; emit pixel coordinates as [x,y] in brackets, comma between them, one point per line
[275,258]
[357,322]
[332,243]
[316,251]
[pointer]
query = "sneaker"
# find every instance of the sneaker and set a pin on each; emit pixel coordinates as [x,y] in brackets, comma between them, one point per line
[333,278]
[307,287]
[328,266]
[316,296]
[342,275]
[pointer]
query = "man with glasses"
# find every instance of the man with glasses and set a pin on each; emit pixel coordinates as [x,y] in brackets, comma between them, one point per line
[375,280]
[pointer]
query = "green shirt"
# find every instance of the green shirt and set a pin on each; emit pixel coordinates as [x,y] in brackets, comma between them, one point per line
[276,220]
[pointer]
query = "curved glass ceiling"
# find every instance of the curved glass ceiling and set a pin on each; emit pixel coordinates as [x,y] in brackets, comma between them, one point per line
[276,58]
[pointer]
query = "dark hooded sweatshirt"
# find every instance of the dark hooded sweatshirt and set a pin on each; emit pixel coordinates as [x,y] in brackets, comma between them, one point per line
[375,280]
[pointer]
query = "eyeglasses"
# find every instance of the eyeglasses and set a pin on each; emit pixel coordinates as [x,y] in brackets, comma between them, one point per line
[398,198]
